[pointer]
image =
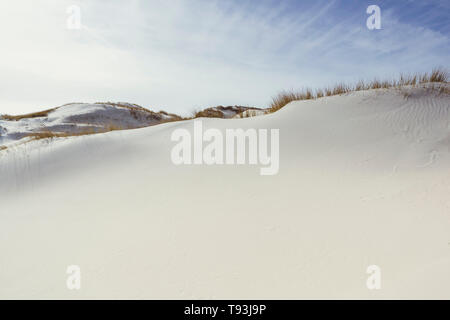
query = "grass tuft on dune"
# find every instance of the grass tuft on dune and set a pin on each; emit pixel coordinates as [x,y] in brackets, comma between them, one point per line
[437,75]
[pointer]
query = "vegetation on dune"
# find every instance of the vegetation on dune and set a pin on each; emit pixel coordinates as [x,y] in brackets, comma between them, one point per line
[47,134]
[438,75]
[220,111]
[28,115]
[208,113]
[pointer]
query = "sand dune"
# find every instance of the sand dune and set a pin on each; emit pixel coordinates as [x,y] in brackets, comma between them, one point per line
[75,118]
[364,179]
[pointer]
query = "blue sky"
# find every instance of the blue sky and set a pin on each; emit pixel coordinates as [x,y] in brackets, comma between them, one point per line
[182,55]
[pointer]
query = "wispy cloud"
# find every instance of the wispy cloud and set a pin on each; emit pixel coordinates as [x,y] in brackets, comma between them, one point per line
[185,54]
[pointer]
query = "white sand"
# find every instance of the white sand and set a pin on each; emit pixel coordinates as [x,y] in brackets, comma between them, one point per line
[364,179]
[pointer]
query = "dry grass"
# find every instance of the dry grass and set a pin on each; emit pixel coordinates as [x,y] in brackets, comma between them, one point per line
[47,134]
[208,113]
[52,135]
[28,115]
[220,112]
[285,97]
[130,106]
[174,117]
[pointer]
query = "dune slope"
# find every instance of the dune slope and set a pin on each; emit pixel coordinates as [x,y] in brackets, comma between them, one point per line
[364,180]
[79,118]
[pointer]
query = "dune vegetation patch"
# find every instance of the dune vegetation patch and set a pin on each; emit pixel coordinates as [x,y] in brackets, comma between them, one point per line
[437,75]
[47,134]
[209,113]
[222,112]
[39,114]
[51,135]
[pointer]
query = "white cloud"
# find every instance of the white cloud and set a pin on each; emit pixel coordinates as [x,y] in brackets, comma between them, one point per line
[179,55]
